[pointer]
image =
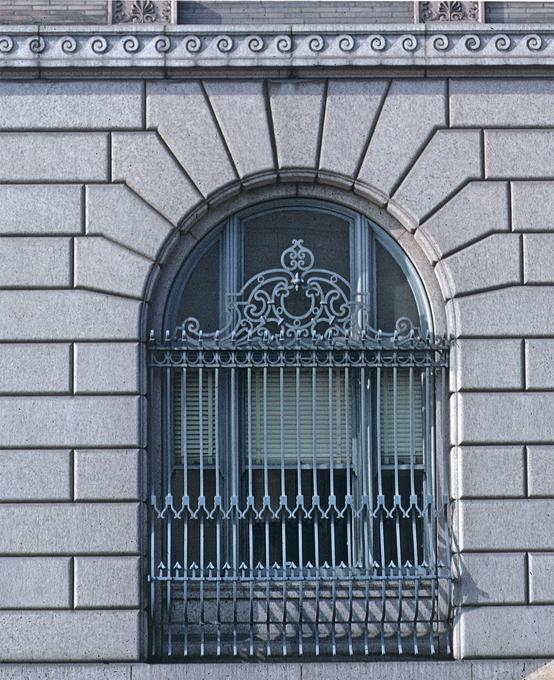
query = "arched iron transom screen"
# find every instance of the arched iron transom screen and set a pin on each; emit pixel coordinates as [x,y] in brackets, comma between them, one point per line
[299,502]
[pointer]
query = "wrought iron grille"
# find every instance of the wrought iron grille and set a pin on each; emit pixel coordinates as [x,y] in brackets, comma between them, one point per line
[303,504]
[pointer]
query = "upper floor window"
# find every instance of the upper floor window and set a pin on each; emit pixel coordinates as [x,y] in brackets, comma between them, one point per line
[296,507]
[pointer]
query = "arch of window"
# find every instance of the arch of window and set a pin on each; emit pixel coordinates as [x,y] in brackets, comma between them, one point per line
[299,501]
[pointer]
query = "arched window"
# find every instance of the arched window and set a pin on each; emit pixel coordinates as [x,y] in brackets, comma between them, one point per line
[299,503]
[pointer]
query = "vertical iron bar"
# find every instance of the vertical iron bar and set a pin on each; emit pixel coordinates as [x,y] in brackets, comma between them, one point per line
[267,500]
[201,503]
[184,452]
[283,504]
[300,516]
[234,502]
[169,470]
[251,565]
[218,514]
[315,509]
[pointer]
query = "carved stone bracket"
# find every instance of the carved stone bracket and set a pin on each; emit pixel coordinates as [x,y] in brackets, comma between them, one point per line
[449,11]
[143,11]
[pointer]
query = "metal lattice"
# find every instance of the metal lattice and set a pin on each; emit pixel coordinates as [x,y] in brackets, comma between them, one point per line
[303,504]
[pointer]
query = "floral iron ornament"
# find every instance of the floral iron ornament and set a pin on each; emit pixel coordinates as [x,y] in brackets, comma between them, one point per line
[296,306]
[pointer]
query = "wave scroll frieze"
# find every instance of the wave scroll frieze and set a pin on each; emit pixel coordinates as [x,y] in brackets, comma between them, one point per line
[143,46]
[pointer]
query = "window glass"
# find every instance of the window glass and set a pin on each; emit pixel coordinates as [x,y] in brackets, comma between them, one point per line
[325,234]
[395,297]
[199,294]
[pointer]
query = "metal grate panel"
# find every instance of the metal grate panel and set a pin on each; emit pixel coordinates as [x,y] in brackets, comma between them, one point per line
[303,504]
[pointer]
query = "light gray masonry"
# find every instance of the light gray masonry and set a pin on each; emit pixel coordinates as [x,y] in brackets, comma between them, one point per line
[541,577]
[538,260]
[92,104]
[35,368]
[58,156]
[78,421]
[35,582]
[74,528]
[107,582]
[488,364]
[539,366]
[41,209]
[484,524]
[35,263]
[36,475]
[540,460]
[114,163]
[107,474]
[533,206]
[111,635]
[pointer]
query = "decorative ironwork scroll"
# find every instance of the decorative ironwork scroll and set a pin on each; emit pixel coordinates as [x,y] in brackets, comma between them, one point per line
[296,306]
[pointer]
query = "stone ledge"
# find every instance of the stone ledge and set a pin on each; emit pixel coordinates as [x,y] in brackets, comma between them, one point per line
[258,46]
[513,669]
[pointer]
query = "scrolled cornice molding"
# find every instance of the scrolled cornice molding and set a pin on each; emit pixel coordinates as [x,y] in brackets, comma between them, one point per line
[258,47]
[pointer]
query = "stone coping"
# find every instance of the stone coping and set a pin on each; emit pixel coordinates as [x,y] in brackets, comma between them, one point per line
[392,669]
[261,47]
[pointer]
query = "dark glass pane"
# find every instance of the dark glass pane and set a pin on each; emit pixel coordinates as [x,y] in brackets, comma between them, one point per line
[199,295]
[325,234]
[395,298]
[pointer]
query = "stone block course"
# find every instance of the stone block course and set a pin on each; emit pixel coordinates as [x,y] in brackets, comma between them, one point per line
[107,474]
[490,578]
[92,104]
[350,111]
[451,158]
[539,363]
[35,368]
[297,109]
[110,635]
[35,262]
[53,156]
[66,671]
[540,470]
[35,475]
[487,471]
[41,209]
[69,421]
[505,417]
[515,311]
[541,578]
[478,209]
[118,213]
[518,153]
[184,119]
[533,206]
[412,110]
[488,364]
[241,110]
[66,315]
[106,367]
[141,160]
[508,525]
[538,258]
[102,265]
[35,582]
[508,102]
[109,582]
[492,262]
[506,631]
[69,528]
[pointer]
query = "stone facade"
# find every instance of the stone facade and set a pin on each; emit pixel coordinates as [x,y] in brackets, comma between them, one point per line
[101,176]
